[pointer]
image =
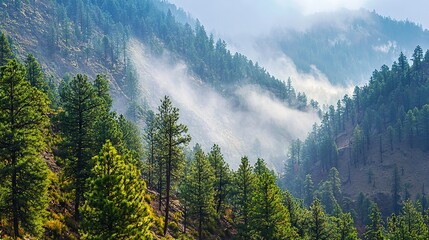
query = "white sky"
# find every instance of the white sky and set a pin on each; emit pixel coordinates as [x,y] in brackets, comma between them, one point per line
[232,17]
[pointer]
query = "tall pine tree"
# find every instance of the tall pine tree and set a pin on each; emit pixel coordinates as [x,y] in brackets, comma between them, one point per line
[201,193]
[81,106]
[222,177]
[23,129]
[269,217]
[171,140]
[243,187]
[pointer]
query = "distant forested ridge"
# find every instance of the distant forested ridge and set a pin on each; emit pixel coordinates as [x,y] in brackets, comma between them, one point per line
[347,45]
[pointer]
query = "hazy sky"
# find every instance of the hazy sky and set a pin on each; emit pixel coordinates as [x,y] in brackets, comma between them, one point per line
[229,17]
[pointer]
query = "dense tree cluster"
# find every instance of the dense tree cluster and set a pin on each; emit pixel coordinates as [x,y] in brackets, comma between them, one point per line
[391,110]
[45,146]
[67,139]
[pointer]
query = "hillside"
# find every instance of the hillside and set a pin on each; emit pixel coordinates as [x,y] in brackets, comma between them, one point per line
[377,139]
[346,45]
[125,131]
[101,37]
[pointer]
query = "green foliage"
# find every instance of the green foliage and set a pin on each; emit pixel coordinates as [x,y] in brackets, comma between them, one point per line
[5,50]
[243,187]
[344,227]
[150,147]
[318,222]
[35,74]
[269,218]
[199,192]
[81,108]
[171,138]
[131,137]
[222,178]
[392,108]
[375,229]
[23,129]
[410,224]
[115,205]
[308,190]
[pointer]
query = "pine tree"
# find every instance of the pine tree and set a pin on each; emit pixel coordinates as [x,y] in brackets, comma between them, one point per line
[115,205]
[81,107]
[37,79]
[35,74]
[269,218]
[131,137]
[409,224]
[296,213]
[334,180]
[23,129]
[345,229]
[106,124]
[222,177]
[171,139]
[5,50]
[151,149]
[243,184]
[318,222]
[201,193]
[308,190]
[375,228]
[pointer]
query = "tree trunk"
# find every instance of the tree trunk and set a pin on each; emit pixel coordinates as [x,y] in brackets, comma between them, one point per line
[168,178]
[14,198]
[159,184]
[200,223]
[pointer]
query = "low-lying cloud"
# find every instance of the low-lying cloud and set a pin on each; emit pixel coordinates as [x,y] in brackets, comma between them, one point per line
[260,127]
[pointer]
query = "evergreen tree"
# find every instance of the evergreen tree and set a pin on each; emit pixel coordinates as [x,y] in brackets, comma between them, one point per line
[297,214]
[308,190]
[81,107]
[269,218]
[222,177]
[23,129]
[243,184]
[131,137]
[345,229]
[35,74]
[318,222]
[115,205]
[335,181]
[150,146]
[201,193]
[106,125]
[171,139]
[101,86]
[375,229]
[5,50]
[409,224]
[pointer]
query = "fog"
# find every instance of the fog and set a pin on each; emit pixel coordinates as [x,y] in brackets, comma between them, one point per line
[247,25]
[314,83]
[259,126]
[253,17]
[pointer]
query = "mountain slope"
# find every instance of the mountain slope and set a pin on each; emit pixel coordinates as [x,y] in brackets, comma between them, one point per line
[378,139]
[96,37]
[346,45]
